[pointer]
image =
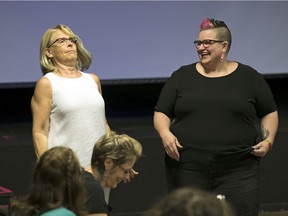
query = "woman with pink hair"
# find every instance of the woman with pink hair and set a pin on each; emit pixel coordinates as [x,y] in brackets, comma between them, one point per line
[209,115]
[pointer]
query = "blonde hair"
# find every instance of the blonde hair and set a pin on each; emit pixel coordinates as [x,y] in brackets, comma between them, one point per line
[118,147]
[84,57]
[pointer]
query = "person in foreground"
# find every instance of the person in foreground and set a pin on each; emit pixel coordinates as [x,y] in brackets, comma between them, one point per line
[57,187]
[67,105]
[113,158]
[209,115]
[188,201]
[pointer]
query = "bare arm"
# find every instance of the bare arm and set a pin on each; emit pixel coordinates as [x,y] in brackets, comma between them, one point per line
[269,126]
[97,80]
[170,142]
[41,107]
[132,173]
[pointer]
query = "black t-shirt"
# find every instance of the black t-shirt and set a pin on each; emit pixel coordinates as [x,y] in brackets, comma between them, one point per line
[95,201]
[215,119]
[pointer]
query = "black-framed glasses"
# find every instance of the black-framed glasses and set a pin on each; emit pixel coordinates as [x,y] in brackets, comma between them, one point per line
[206,43]
[62,41]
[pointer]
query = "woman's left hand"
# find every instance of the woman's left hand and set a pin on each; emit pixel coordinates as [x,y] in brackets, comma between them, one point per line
[130,176]
[261,149]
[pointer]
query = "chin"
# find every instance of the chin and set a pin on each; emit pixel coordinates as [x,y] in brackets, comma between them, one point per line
[205,61]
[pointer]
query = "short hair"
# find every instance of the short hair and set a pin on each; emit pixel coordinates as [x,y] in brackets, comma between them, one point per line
[121,148]
[84,57]
[189,201]
[57,181]
[223,32]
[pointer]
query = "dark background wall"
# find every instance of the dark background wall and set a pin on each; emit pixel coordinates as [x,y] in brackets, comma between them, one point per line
[129,107]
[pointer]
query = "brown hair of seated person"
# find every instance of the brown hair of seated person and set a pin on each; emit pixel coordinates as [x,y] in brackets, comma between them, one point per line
[190,202]
[56,182]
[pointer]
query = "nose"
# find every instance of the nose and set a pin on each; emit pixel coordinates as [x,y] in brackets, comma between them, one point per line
[69,42]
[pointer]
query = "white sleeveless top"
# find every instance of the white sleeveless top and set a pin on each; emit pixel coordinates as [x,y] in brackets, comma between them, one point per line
[77,118]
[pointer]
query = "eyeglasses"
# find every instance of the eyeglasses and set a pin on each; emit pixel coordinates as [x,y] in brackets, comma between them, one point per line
[62,41]
[125,171]
[206,43]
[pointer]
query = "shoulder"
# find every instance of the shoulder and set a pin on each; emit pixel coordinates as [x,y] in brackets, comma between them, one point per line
[248,71]
[95,78]
[44,81]
[247,68]
[248,74]
[181,71]
[43,85]
[187,67]
[90,182]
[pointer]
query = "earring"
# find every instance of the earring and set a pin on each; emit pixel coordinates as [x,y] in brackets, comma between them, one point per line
[222,57]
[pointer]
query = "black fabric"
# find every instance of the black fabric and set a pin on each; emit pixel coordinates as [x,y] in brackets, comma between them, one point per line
[215,119]
[95,202]
[238,183]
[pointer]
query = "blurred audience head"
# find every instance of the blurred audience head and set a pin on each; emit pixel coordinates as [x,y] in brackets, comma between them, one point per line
[190,202]
[57,181]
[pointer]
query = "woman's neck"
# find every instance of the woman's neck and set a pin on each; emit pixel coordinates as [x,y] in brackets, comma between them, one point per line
[96,175]
[67,71]
[219,70]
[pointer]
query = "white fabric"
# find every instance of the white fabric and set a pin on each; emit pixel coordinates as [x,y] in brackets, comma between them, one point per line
[107,194]
[77,117]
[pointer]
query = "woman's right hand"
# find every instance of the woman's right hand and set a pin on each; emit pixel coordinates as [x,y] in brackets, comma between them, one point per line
[171,145]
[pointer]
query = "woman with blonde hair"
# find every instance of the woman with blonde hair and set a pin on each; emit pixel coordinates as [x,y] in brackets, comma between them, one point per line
[113,158]
[67,106]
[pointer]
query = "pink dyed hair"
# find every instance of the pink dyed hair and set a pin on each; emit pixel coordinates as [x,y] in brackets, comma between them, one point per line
[206,24]
[209,23]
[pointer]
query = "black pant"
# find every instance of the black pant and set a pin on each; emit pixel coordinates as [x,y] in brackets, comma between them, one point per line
[238,183]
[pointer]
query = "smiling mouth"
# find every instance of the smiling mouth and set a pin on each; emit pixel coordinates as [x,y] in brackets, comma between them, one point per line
[204,54]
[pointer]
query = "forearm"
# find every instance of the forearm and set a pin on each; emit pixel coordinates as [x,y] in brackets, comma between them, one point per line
[269,126]
[161,122]
[40,143]
[170,142]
